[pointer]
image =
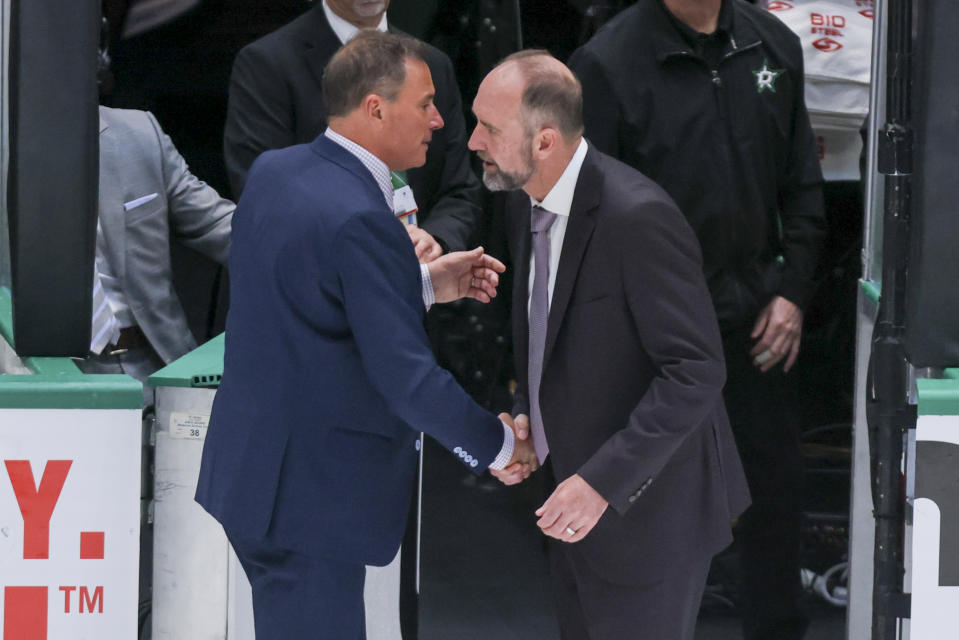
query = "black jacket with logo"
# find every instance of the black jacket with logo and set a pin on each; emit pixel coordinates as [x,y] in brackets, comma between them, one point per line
[730,141]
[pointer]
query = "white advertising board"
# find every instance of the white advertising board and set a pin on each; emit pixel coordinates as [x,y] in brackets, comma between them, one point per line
[935,539]
[836,38]
[69,523]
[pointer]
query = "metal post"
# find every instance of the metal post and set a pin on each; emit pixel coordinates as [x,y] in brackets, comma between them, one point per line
[890,412]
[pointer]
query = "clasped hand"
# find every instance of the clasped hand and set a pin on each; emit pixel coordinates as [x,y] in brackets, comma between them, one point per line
[573,509]
[524,461]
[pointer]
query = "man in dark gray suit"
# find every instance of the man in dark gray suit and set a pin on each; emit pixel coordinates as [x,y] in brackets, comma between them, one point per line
[148,198]
[619,364]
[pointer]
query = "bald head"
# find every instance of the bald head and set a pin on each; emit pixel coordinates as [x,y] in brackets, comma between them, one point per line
[551,95]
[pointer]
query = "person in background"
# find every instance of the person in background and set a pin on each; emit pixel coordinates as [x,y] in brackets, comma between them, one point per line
[148,199]
[276,100]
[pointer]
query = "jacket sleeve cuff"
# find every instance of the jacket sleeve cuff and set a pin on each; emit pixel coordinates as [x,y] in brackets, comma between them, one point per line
[429,296]
[506,453]
[795,289]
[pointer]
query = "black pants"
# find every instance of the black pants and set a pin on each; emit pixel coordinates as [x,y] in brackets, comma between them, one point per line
[765,421]
[663,607]
[660,605]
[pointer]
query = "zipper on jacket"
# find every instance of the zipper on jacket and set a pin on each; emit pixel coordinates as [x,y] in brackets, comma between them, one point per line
[733,160]
[718,91]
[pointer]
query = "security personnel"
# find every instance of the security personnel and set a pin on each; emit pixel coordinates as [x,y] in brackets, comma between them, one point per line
[706,98]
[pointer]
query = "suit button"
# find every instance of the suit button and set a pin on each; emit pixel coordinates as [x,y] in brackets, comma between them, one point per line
[468,459]
[457,449]
[416,445]
[462,454]
[631,499]
[474,463]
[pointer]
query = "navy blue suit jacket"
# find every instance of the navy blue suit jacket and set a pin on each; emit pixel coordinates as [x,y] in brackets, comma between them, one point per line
[328,374]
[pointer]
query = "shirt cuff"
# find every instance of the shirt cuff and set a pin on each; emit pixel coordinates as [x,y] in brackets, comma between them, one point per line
[429,298]
[506,453]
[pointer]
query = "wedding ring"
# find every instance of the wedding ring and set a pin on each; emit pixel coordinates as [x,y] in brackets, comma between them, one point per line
[570,531]
[764,357]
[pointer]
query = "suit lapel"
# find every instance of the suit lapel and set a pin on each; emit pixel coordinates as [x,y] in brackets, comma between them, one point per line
[579,229]
[320,43]
[110,205]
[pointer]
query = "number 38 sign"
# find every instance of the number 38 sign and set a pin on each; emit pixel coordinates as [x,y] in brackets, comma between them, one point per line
[69,523]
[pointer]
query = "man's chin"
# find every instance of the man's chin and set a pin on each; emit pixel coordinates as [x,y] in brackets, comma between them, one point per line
[411,163]
[497,181]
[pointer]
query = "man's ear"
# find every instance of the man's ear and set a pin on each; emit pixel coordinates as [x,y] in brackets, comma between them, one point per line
[545,142]
[373,107]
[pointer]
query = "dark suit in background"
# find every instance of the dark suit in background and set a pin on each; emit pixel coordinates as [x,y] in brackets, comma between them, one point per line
[631,401]
[276,100]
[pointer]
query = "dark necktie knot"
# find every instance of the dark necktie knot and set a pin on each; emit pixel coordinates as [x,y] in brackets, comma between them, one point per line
[541,219]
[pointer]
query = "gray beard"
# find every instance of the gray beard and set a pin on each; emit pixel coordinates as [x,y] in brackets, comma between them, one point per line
[503,181]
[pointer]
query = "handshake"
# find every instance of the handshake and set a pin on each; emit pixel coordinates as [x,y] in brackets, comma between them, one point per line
[574,507]
[524,460]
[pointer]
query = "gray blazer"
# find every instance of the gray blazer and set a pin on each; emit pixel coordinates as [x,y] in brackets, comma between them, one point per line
[147,197]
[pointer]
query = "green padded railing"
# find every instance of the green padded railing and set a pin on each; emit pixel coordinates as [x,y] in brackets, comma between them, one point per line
[939,396]
[202,367]
[57,383]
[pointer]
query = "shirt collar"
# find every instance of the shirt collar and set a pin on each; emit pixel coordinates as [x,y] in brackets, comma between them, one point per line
[559,200]
[376,167]
[344,30]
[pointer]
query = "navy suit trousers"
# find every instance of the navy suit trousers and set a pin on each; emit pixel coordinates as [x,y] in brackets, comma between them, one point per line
[297,596]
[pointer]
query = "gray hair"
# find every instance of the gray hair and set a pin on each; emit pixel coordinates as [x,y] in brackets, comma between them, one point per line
[372,62]
[551,98]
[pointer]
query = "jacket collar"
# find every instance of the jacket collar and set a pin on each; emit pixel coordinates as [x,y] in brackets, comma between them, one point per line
[319,41]
[668,40]
[335,153]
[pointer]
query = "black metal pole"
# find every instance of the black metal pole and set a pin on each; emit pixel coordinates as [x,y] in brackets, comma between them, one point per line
[888,388]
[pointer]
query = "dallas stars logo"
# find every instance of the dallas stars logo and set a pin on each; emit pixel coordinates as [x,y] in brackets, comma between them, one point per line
[766,77]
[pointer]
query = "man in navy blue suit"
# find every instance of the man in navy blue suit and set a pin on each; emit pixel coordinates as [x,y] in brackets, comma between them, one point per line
[329,375]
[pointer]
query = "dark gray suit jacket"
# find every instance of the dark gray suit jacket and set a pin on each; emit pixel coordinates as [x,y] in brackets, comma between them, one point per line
[137,161]
[276,100]
[633,372]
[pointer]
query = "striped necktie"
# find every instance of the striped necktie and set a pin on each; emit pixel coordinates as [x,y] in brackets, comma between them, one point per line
[104,328]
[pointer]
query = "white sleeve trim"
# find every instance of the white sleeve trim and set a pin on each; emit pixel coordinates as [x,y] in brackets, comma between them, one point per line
[429,297]
[506,453]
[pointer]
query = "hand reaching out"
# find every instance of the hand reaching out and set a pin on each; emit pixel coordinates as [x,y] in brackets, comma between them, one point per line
[465,274]
[524,460]
[426,247]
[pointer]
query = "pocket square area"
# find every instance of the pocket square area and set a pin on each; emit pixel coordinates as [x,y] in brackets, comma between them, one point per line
[133,204]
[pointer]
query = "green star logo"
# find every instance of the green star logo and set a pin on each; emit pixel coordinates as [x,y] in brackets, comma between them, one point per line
[766,77]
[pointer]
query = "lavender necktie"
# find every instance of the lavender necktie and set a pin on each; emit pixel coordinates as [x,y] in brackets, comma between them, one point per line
[541,221]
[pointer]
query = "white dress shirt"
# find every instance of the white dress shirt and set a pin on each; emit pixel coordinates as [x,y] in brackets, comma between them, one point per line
[344,30]
[381,175]
[559,200]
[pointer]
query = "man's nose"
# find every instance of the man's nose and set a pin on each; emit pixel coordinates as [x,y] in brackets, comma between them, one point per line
[473,144]
[436,120]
